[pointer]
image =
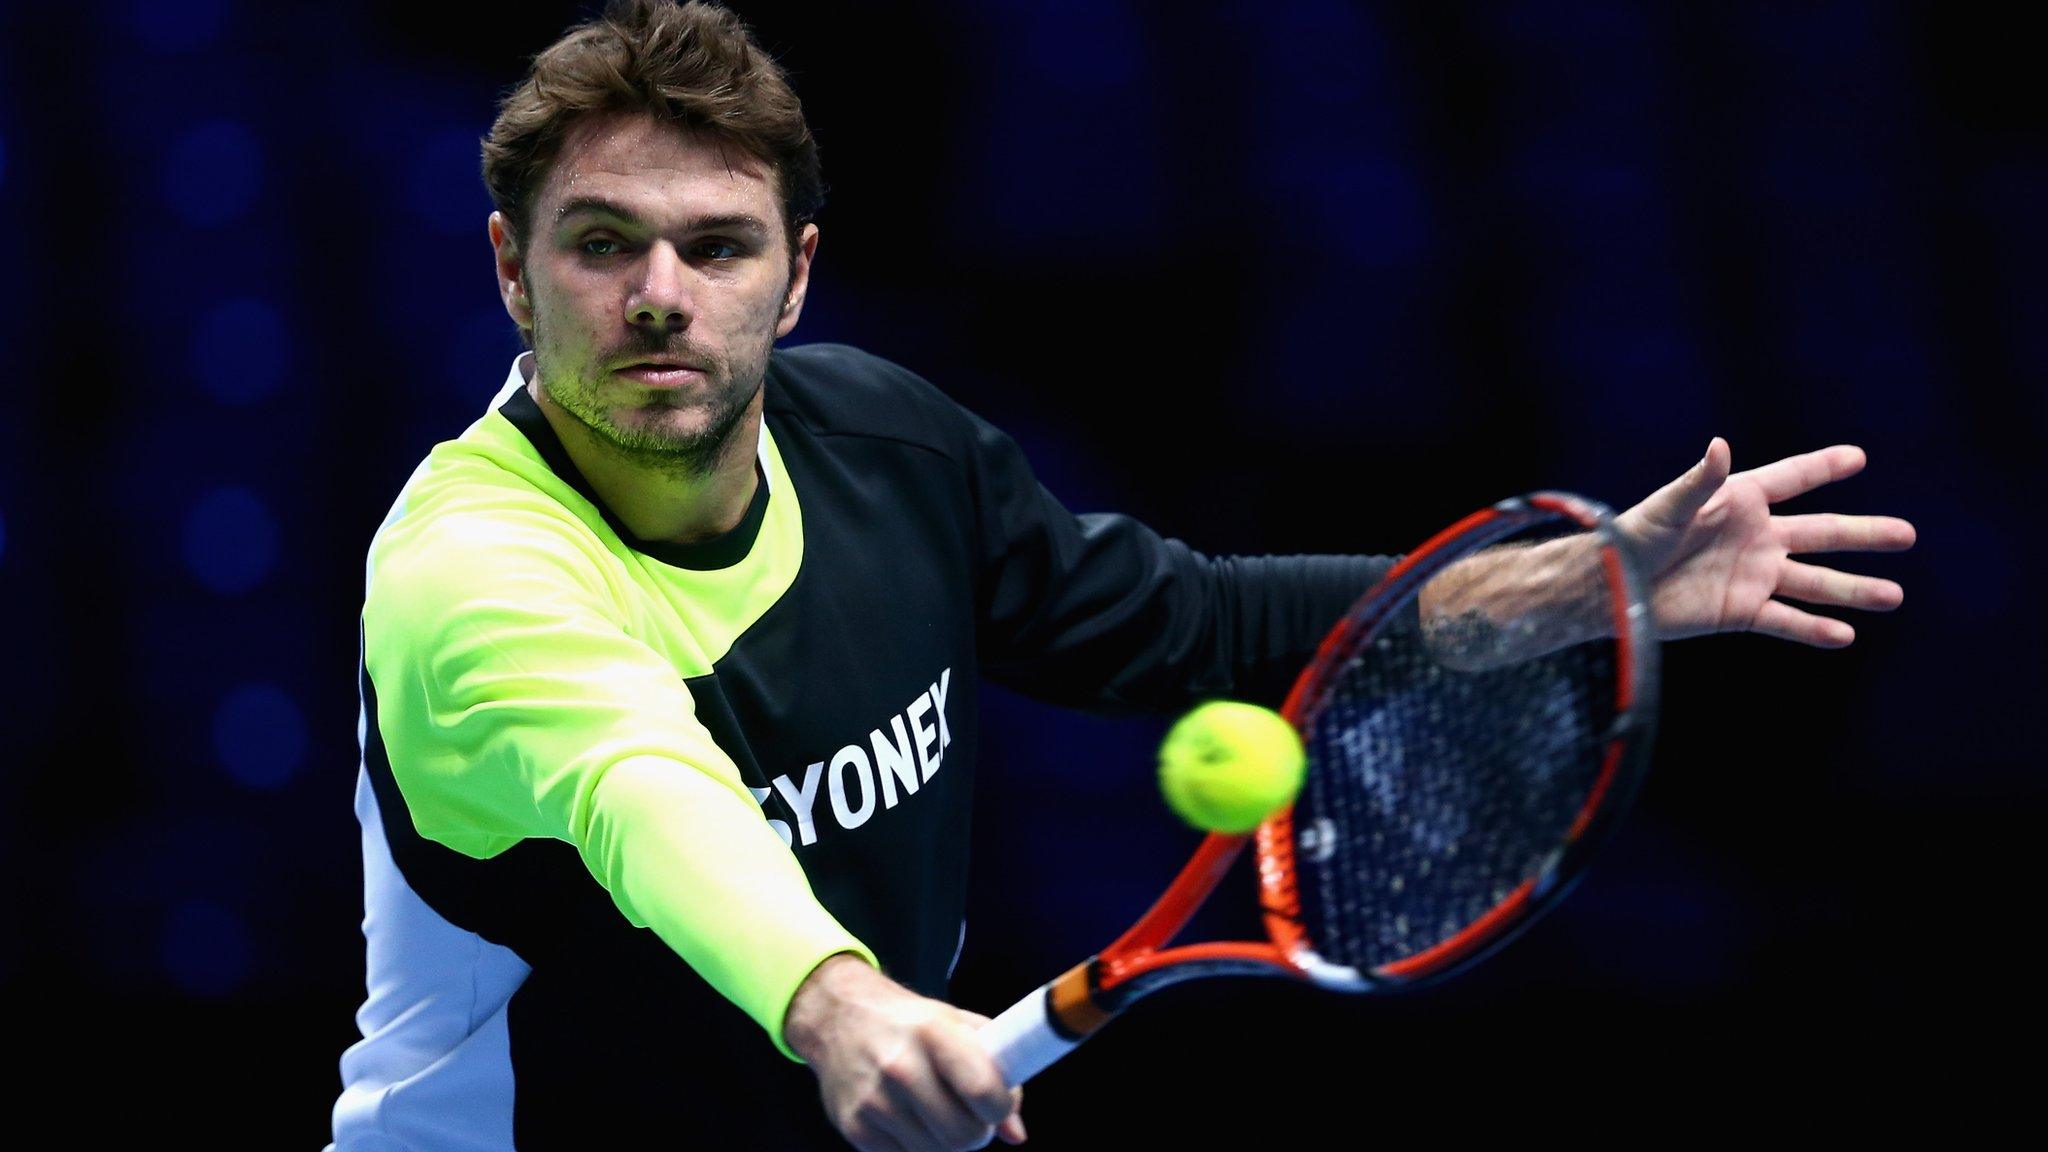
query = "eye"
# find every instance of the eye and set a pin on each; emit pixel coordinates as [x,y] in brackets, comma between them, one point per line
[719,250]
[599,246]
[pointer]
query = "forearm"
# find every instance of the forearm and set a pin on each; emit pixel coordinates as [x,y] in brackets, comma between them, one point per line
[1516,602]
[685,855]
[1101,612]
[1283,608]
[1135,621]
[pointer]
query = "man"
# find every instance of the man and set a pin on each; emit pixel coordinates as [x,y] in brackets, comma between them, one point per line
[700,620]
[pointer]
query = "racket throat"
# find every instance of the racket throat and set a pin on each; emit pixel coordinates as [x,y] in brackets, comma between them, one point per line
[1071,1005]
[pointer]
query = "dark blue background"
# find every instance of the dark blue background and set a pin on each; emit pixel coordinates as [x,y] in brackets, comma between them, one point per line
[1294,275]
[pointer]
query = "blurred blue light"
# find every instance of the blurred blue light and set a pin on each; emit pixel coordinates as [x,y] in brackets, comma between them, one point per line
[481,354]
[3,538]
[1065,97]
[260,736]
[214,174]
[445,189]
[1375,208]
[206,948]
[1325,61]
[176,25]
[1083,45]
[238,350]
[1411,395]
[3,159]
[230,541]
[1662,926]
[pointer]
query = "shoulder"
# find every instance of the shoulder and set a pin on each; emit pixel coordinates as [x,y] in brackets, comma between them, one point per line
[840,390]
[467,530]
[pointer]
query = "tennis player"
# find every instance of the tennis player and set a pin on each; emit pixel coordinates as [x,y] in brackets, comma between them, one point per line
[670,659]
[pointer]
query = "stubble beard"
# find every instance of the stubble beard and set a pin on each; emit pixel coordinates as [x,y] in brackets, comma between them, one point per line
[655,445]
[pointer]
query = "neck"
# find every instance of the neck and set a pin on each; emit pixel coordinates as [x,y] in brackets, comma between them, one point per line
[656,503]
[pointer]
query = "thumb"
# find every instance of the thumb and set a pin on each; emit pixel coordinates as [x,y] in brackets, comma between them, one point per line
[973,1022]
[1673,506]
[1011,1130]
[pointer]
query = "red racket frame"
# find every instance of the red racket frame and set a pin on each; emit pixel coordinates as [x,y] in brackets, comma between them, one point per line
[1137,963]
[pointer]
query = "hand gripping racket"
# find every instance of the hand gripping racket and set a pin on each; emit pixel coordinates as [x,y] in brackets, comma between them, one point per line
[1459,776]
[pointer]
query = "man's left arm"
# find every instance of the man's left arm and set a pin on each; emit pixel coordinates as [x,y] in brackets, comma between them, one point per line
[1715,556]
[1099,611]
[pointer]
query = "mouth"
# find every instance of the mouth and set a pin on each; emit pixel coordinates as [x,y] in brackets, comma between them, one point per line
[661,373]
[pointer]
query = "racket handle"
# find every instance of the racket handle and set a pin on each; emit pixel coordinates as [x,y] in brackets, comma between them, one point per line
[1023,1039]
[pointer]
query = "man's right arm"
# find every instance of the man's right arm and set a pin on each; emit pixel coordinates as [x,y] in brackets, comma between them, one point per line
[514,704]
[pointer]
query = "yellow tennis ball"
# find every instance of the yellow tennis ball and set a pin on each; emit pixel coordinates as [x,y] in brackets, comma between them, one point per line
[1226,766]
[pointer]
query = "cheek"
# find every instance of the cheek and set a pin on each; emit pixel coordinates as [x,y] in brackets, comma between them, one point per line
[738,326]
[769,312]
[566,325]
[566,298]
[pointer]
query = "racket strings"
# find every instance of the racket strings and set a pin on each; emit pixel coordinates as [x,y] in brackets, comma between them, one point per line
[1435,794]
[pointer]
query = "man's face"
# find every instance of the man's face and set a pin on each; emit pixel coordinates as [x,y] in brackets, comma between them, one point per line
[654,279]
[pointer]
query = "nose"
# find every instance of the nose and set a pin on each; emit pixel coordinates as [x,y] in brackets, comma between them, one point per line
[661,298]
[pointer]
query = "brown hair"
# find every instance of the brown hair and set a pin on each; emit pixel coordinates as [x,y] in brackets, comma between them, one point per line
[691,64]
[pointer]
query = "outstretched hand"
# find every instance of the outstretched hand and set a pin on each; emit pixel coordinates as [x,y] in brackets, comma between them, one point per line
[1720,561]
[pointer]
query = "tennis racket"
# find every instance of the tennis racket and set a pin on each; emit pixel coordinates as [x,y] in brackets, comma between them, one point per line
[1459,776]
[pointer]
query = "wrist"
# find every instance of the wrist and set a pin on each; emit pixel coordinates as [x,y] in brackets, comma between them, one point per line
[813,1004]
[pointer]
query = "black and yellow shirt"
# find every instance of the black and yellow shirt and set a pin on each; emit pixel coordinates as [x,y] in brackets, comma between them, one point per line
[761,747]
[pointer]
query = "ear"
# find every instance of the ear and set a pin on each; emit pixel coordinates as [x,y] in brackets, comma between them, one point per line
[512,286]
[799,281]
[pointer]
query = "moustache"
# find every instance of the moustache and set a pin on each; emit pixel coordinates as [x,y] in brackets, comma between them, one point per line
[685,354]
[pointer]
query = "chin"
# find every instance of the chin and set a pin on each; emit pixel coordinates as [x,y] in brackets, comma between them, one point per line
[681,427]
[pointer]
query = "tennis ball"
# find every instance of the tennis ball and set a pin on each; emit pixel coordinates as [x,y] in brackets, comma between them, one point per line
[1226,766]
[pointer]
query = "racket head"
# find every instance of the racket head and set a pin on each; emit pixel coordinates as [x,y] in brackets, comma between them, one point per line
[1446,809]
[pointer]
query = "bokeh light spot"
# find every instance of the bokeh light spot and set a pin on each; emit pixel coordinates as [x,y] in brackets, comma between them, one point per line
[260,735]
[215,173]
[230,541]
[238,350]
[206,948]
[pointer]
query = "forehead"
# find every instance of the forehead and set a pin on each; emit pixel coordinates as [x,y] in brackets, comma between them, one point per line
[657,169]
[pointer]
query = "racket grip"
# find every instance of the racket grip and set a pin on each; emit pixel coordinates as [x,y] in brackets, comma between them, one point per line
[1023,1039]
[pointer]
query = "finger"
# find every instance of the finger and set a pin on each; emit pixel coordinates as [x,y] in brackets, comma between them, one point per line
[1011,1130]
[1817,585]
[966,1068]
[877,1131]
[1831,532]
[953,1090]
[933,1116]
[1796,475]
[1788,623]
[889,1141]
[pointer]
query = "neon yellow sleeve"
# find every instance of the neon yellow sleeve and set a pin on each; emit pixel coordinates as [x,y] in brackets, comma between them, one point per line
[514,704]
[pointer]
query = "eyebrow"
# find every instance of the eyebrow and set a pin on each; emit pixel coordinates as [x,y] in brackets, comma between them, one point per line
[722,222]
